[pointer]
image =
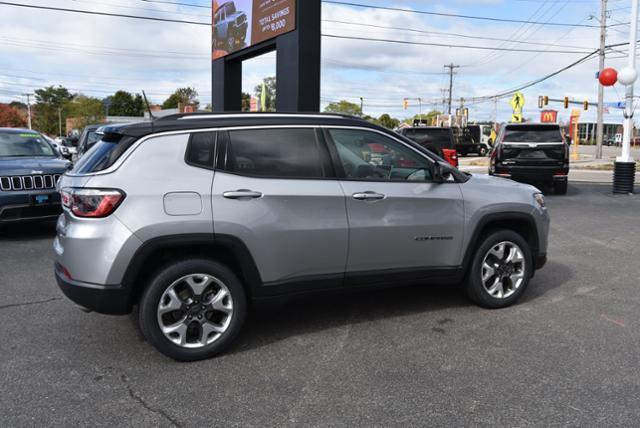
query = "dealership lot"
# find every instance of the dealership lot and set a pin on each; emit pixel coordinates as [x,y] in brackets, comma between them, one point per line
[565,355]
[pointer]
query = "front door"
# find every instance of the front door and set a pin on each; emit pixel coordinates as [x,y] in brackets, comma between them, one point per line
[274,195]
[398,218]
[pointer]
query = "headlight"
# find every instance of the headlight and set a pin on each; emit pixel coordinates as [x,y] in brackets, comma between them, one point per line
[539,200]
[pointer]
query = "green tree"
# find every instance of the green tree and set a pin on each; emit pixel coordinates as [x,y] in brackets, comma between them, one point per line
[123,103]
[428,117]
[45,112]
[270,83]
[86,110]
[182,96]
[246,102]
[387,121]
[344,107]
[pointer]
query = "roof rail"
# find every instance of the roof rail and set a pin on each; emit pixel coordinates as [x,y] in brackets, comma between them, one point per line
[227,115]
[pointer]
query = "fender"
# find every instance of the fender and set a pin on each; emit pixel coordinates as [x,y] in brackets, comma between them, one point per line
[501,217]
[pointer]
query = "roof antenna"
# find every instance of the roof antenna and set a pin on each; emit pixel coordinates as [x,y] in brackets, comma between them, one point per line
[152,118]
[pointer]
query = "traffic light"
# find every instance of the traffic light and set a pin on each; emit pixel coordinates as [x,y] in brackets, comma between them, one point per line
[540,102]
[566,102]
[545,100]
[405,103]
[586,105]
[465,112]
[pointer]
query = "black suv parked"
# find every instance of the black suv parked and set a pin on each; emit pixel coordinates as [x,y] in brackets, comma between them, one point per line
[29,171]
[532,153]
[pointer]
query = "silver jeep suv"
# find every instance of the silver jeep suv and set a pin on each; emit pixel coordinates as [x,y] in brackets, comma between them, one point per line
[192,217]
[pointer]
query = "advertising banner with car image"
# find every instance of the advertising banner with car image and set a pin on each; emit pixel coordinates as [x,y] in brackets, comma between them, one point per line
[239,24]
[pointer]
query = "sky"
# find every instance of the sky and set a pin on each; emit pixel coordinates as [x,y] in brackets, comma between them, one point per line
[97,55]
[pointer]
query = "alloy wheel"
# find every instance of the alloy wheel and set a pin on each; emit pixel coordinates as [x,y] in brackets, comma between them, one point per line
[503,270]
[195,310]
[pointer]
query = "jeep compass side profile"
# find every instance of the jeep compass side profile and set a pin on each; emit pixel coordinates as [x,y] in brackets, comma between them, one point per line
[193,217]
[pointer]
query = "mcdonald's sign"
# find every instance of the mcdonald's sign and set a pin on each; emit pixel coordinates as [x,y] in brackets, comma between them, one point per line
[548,116]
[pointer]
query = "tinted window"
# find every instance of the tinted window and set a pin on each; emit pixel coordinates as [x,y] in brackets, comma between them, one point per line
[27,144]
[275,153]
[532,134]
[200,150]
[367,155]
[102,155]
[440,138]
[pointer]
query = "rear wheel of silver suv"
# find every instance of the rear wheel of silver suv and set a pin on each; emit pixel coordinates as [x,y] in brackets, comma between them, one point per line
[500,270]
[193,309]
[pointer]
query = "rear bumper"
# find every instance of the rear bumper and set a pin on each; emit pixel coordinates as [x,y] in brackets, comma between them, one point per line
[532,173]
[104,299]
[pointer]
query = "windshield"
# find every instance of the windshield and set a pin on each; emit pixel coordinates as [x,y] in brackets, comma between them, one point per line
[532,134]
[28,144]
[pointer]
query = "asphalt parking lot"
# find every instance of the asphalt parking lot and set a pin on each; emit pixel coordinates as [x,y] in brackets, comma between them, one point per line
[567,354]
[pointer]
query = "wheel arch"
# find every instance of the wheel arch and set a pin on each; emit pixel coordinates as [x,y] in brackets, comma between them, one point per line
[157,252]
[522,223]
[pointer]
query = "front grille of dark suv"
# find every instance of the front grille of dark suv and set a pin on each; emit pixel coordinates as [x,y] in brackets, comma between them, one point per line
[29,182]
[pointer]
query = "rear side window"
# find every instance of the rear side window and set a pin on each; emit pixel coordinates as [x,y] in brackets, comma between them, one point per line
[201,149]
[102,155]
[276,153]
[532,134]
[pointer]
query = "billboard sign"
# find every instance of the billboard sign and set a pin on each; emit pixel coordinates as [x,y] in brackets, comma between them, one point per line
[240,24]
[548,116]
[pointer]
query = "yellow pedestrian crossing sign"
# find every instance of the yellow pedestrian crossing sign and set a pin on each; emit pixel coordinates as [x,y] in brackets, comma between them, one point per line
[517,102]
[516,118]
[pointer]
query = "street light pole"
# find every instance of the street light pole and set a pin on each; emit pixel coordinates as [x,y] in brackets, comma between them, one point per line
[625,168]
[361,106]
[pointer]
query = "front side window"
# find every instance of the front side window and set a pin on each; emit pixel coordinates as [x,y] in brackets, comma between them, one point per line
[27,144]
[367,155]
[275,153]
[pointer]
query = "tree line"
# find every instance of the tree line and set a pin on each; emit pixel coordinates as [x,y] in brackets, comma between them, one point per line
[52,105]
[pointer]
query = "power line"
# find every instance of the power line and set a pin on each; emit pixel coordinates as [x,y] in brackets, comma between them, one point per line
[447,45]
[443,33]
[115,15]
[455,15]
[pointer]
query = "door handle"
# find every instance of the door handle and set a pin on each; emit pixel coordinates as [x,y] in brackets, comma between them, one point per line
[242,194]
[368,196]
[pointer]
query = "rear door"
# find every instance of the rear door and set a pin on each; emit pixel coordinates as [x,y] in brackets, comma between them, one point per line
[275,192]
[533,145]
[399,219]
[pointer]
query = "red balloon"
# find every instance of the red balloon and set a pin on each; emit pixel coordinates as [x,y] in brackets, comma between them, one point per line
[608,77]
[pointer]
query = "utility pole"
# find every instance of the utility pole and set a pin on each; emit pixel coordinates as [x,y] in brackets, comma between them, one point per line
[59,122]
[28,108]
[603,39]
[451,67]
[495,110]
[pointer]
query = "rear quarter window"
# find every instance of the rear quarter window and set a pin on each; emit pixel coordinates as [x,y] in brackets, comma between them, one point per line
[102,155]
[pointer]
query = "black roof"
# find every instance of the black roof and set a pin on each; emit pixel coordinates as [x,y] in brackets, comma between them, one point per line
[188,121]
[18,131]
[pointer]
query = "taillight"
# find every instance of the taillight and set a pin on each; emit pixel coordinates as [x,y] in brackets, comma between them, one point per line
[93,203]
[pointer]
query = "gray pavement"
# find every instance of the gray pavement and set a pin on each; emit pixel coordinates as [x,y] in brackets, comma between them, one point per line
[566,355]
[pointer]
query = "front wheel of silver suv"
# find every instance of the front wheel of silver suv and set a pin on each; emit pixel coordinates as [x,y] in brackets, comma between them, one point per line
[193,309]
[500,270]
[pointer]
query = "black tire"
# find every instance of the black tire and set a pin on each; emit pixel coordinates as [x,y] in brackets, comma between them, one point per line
[162,281]
[482,151]
[560,187]
[475,288]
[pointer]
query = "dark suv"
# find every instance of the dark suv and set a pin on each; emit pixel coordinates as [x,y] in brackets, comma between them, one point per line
[230,27]
[435,139]
[533,153]
[29,171]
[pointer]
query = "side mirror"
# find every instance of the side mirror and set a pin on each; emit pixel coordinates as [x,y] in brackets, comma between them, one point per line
[441,172]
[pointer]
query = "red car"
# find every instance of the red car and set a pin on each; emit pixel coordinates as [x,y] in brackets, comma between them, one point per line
[436,140]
